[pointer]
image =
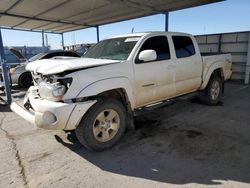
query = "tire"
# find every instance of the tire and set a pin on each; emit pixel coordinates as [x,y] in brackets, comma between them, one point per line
[25,80]
[96,130]
[213,92]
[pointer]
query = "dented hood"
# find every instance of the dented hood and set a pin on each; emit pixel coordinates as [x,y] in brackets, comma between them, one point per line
[54,66]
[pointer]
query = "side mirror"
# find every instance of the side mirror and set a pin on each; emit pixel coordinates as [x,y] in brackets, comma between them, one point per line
[147,55]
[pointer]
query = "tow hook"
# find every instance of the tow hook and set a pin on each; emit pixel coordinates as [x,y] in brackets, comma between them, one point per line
[27,105]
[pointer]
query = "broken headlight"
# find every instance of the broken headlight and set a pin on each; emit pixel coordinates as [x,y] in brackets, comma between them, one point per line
[54,91]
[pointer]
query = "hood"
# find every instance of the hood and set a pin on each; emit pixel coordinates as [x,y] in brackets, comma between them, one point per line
[54,66]
[18,54]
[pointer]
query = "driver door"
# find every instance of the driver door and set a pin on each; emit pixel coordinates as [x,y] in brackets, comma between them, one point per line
[154,81]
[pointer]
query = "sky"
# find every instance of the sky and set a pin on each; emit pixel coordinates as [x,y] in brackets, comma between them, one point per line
[222,17]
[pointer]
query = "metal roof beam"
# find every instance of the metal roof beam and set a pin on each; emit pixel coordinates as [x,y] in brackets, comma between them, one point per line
[41,13]
[13,5]
[58,26]
[140,6]
[62,28]
[42,19]
[41,26]
[30,30]
[111,22]
[54,7]
[83,12]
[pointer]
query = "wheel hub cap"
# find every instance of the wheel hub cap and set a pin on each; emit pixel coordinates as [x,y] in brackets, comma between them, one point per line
[106,125]
[215,90]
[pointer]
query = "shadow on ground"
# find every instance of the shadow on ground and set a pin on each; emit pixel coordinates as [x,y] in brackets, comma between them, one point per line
[4,108]
[16,92]
[172,151]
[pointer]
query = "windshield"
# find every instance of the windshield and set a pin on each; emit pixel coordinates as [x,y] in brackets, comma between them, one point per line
[36,57]
[115,49]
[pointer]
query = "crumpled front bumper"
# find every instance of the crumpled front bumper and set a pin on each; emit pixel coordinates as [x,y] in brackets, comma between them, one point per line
[49,114]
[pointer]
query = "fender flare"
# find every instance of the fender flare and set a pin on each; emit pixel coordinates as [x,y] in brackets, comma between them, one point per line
[107,84]
[211,69]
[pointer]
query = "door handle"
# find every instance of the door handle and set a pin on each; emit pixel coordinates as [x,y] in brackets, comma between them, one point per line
[148,85]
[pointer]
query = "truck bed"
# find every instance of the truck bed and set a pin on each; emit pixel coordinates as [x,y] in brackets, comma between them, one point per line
[210,59]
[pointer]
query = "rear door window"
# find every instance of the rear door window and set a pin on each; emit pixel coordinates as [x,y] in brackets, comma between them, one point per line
[184,46]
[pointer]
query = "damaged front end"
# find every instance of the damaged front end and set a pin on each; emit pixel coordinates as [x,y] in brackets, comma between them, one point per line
[52,87]
[44,106]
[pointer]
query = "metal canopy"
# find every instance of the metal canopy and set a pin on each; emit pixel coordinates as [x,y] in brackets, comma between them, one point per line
[61,16]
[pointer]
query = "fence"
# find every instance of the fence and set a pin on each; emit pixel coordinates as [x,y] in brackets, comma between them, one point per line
[235,43]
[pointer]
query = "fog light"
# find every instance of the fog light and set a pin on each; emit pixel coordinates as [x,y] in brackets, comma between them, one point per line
[49,118]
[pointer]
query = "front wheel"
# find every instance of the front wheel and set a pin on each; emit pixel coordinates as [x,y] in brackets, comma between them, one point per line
[25,80]
[212,94]
[103,125]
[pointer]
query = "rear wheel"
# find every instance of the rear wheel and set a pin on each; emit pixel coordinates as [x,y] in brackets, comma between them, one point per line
[103,125]
[25,80]
[212,94]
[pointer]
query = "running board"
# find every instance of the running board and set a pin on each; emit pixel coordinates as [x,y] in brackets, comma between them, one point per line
[164,103]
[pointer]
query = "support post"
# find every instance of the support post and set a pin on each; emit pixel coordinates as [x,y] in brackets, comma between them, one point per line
[248,62]
[219,44]
[62,41]
[5,71]
[43,45]
[97,34]
[166,21]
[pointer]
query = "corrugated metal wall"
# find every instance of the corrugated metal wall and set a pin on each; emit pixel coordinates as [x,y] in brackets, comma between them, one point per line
[235,43]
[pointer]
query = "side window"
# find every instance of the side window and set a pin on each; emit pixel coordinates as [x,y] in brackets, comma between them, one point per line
[59,54]
[160,45]
[51,55]
[48,56]
[70,54]
[184,46]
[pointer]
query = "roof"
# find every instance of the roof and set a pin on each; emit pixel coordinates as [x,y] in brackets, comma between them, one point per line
[68,15]
[130,35]
[149,33]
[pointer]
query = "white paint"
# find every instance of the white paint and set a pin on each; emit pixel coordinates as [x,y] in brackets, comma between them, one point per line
[54,66]
[144,83]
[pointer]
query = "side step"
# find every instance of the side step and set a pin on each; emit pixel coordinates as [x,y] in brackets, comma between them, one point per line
[164,103]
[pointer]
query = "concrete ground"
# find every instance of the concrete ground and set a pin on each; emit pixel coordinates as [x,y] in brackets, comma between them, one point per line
[183,145]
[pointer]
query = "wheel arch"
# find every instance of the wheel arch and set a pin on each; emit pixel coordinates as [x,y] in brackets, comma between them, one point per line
[214,70]
[118,94]
[118,88]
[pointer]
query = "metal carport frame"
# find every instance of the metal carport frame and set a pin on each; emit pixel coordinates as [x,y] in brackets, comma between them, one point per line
[5,76]
[4,70]
[50,16]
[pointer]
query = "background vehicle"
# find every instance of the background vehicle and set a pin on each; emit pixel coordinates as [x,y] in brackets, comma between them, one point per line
[19,75]
[97,95]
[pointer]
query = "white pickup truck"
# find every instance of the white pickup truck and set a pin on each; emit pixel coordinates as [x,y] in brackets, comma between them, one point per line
[98,94]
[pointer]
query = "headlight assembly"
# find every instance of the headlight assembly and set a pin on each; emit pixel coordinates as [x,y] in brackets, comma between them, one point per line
[12,70]
[54,91]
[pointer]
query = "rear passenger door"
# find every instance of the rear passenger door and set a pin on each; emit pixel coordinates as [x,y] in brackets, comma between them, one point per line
[154,80]
[188,65]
